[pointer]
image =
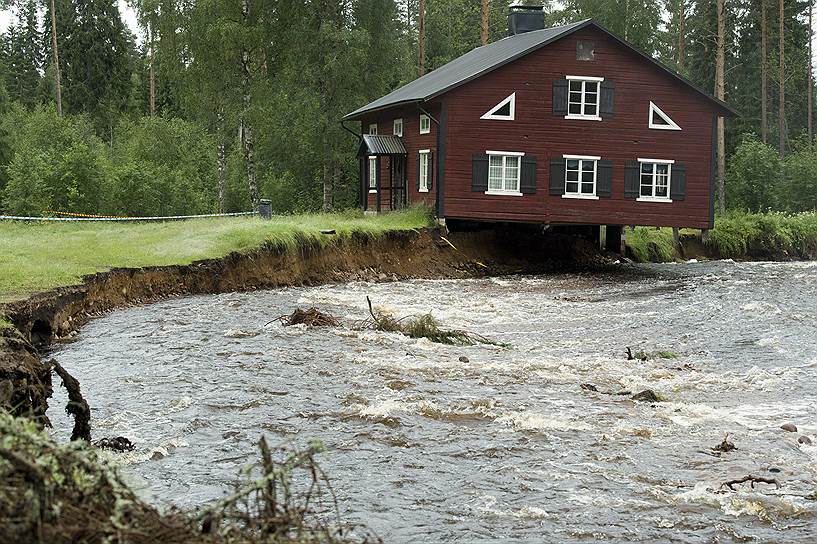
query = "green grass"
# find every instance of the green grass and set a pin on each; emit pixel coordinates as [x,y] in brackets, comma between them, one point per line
[649,244]
[739,234]
[41,256]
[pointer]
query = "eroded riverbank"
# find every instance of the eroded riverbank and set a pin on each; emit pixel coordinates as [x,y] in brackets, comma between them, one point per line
[445,443]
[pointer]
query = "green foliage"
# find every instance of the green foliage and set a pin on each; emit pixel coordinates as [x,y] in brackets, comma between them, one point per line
[739,235]
[648,244]
[799,191]
[58,163]
[753,175]
[43,256]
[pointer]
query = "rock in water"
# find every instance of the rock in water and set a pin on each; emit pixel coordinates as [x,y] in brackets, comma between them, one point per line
[791,427]
[806,441]
[464,359]
[648,395]
[589,387]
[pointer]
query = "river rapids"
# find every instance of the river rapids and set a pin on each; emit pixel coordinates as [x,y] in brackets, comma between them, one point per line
[435,443]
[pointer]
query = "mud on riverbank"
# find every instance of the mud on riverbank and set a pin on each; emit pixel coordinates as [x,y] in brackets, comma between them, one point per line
[57,315]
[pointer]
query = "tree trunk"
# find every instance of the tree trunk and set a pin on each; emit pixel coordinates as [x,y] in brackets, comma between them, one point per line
[781,106]
[222,160]
[56,57]
[720,61]
[421,37]
[152,75]
[681,34]
[764,74]
[246,129]
[810,72]
[327,187]
[483,31]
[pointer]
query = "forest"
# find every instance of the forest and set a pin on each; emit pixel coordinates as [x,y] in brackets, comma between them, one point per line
[218,103]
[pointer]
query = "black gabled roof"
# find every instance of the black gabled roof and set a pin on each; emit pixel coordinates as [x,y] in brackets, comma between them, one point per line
[487,58]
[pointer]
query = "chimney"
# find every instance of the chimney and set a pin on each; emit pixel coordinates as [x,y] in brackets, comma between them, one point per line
[525,18]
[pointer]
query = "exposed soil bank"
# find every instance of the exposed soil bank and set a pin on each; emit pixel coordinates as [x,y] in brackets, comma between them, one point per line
[25,383]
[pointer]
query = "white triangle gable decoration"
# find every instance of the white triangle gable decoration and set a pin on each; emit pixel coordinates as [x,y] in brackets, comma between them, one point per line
[504,111]
[660,120]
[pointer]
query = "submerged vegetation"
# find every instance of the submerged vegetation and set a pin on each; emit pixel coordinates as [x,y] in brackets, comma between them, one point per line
[59,493]
[40,256]
[424,326]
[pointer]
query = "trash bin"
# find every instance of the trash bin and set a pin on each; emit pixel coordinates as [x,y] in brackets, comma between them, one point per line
[265,208]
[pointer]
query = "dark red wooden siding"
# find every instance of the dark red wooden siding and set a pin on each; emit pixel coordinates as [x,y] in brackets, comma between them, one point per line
[536,131]
[413,141]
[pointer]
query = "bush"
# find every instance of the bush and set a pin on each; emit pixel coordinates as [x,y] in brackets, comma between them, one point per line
[764,235]
[57,163]
[649,244]
[800,186]
[754,175]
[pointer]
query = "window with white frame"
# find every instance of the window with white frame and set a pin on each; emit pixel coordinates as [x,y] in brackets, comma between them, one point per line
[656,176]
[660,120]
[373,128]
[372,174]
[424,171]
[583,97]
[425,124]
[580,176]
[398,127]
[503,172]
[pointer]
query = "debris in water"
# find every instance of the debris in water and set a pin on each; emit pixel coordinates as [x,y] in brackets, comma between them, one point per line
[648,395]
[424,326]
[791,427]
[116,443]
[589,387]
[311,318]
[752,480]
[640,355]
[77,406]
[725,446]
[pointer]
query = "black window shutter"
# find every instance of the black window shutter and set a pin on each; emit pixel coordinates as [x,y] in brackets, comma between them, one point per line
[678,184]
[607,107]
[527,178]
[417,179]
[604,178]
[632,179]
[560,97]
[557,176]
[430,180]
[479,173]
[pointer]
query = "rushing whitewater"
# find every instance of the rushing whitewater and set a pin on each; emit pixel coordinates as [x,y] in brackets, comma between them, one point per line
[431,443]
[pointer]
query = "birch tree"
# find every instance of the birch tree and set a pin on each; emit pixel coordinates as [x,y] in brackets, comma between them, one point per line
[720,61]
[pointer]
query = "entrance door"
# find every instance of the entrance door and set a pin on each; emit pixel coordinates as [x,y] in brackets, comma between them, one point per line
[398,195]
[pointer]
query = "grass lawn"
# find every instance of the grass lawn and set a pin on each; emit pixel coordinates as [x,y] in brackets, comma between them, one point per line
[40,256]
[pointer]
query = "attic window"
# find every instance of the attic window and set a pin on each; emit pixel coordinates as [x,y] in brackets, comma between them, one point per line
[585,50]
[504,111]
[583,97]
[398,127]
[660,120]
[373,128]
[425,124]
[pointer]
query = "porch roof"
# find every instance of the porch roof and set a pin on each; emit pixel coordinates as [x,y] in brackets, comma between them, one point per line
[373,144]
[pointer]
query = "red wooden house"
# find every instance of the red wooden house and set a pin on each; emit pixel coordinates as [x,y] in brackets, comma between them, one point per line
[561,126]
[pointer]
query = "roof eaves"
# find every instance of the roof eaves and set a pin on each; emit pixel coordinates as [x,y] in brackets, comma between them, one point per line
[569,29]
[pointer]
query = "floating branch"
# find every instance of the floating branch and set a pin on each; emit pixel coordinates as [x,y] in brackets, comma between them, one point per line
[424,326]
[752,480]
[311,318]
[725,446]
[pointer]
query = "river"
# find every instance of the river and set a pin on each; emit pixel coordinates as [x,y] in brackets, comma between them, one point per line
[436,443]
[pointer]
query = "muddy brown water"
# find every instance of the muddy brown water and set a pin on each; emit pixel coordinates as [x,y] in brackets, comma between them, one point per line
[504,444]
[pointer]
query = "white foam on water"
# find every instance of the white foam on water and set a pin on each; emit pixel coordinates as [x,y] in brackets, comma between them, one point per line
[765,506]
[761,307]
[533,421]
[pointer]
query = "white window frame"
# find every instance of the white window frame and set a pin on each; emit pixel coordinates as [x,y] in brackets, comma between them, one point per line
[372,170]
[505,155]
[583,103]
[425,119]
[579,195]
[373,129]
[491,114]
[653,198]
[424,154]
[398,127]
[656,110]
